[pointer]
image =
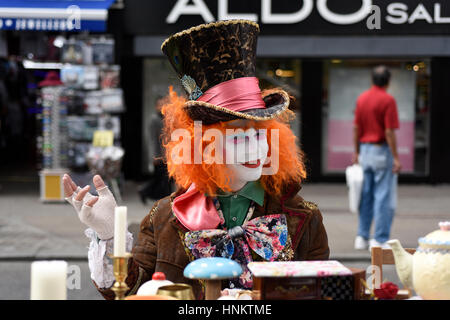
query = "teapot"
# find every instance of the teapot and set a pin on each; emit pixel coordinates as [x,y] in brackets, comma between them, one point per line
[151,287]
[427,271]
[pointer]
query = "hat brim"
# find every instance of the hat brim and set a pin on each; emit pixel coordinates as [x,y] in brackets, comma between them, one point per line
[277,101]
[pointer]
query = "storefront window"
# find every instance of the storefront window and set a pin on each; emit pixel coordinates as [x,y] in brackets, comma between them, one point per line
[158,77]
[345,80]
[285,74]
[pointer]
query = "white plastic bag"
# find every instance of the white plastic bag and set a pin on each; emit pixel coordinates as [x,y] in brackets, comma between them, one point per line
[354,175]
[394,195]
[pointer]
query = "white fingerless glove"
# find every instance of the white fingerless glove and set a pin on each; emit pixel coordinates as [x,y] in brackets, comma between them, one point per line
[99,217]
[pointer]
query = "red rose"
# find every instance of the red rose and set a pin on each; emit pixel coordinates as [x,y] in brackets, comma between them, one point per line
[387,291]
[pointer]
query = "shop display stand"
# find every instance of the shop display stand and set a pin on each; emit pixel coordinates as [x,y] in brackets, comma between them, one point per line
[89,100]
[54,127]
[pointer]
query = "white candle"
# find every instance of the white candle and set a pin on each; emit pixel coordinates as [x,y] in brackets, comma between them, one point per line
[48,280]
[120,231]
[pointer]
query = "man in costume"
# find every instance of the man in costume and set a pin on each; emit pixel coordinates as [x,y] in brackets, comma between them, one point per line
[240,199]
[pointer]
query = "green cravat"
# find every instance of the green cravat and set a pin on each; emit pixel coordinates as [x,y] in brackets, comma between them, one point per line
[235,206]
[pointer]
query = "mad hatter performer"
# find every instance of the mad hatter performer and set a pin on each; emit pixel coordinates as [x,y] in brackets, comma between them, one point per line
[239,199]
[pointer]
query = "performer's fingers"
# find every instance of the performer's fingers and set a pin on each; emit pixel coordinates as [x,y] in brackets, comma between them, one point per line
[82,193]
[70,182]
[102,188]
[68,190]
[74,186]
[98,182]
[91,202]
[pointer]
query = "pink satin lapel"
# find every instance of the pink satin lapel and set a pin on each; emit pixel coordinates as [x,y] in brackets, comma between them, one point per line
[195,211]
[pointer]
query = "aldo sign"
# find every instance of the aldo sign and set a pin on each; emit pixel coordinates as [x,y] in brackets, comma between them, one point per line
[291,17]
[199,7]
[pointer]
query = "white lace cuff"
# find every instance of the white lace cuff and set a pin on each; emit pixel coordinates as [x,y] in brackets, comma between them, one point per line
[100,264]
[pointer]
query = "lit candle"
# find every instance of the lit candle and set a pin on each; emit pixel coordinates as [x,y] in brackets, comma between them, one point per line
[48,280]
[120,231]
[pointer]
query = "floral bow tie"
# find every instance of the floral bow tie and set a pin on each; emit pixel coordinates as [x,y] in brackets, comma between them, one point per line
[266,236]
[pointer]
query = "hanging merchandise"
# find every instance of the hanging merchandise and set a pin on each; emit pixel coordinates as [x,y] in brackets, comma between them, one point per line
[54,127]
[74,101]
[72,76]
[111,123]
[72,52]
[90,77]
[93,102]
[89,100]
[103,51]
[51,79]
[109,77]
[81,128]
[112,100]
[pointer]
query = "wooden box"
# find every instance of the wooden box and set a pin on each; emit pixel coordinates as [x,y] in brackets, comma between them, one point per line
[343,284]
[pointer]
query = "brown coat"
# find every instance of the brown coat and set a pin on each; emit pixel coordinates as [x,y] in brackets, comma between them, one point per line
[159,245]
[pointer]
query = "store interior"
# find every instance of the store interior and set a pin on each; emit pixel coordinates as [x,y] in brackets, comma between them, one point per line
[74,73]
[85,64]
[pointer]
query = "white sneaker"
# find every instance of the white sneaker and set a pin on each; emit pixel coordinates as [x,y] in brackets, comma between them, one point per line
[361,243]
[375,243]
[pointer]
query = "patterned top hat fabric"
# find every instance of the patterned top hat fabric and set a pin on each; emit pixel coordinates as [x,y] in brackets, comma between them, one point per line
[212,53]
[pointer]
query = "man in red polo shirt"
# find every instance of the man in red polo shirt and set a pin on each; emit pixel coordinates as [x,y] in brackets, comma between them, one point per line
[376,118]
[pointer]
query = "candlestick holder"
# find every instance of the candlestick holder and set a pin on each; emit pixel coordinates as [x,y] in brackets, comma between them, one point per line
[120,268]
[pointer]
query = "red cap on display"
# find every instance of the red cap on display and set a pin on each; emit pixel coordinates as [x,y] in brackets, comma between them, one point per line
[51,79]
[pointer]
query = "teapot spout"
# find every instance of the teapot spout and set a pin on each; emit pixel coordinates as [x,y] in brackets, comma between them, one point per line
[403,263]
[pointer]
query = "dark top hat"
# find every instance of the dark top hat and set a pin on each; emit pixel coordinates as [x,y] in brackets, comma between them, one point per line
[217,58]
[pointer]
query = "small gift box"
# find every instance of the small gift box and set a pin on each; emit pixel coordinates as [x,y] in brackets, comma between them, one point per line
[305,280]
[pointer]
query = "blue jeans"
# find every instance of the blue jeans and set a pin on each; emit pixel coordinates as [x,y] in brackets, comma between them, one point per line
[377,196]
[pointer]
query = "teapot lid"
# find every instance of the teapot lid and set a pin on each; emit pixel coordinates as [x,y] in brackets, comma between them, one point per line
[440,238]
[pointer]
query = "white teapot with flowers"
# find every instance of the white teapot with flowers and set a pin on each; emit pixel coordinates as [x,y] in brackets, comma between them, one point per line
[427,271]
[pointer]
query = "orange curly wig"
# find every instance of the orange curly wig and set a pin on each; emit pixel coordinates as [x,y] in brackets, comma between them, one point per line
[209,177]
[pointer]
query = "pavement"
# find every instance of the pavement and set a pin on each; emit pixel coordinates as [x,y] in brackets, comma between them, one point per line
[32,230]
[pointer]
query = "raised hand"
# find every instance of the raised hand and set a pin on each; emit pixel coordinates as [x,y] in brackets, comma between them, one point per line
[95,212]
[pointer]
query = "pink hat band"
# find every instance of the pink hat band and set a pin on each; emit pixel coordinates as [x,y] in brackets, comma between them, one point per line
[238,94]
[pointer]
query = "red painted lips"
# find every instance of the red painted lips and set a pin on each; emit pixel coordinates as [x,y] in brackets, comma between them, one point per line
[250,164]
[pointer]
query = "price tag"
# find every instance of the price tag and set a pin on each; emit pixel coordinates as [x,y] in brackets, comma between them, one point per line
[103,138]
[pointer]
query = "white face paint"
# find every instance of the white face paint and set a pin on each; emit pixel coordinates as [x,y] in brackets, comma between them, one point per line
[246,153]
